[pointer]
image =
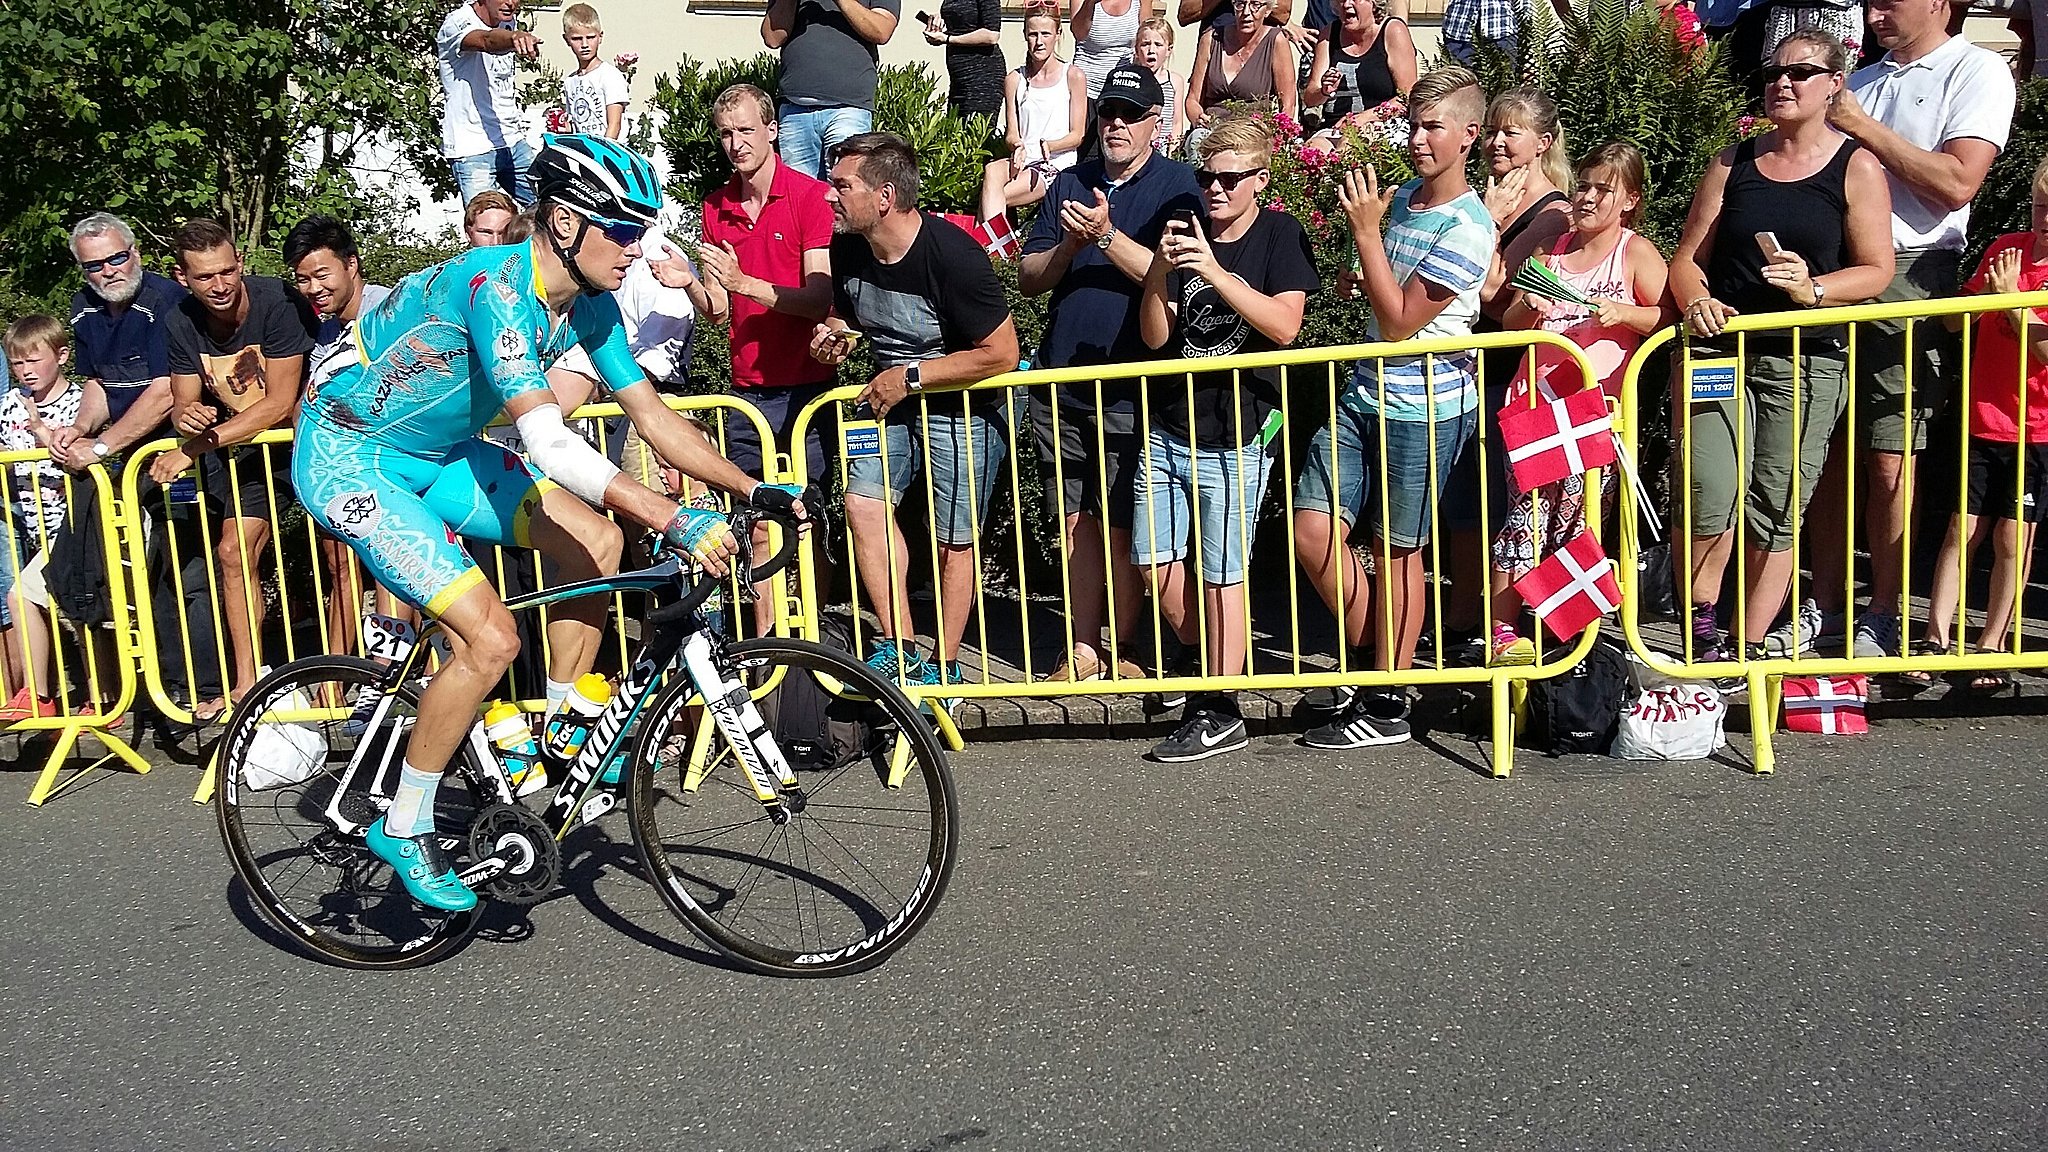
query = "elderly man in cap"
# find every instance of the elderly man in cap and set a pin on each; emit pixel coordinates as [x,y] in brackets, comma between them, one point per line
[1090,248]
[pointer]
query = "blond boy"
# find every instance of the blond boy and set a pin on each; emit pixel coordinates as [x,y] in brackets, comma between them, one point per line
[596,91]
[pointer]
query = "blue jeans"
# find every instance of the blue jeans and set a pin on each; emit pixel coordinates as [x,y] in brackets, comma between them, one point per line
[807,133]
[1218,489]
[964,453]
[1343,470]
[503,168]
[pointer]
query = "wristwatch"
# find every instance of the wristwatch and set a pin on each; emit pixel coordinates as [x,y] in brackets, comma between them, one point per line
[1108,238]
[100,451]
[1820,294]
[910,379]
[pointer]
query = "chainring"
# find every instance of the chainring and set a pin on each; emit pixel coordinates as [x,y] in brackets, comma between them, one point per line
[524,839]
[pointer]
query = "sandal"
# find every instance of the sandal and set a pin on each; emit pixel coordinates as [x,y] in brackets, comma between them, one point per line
[1919,679]
[1985,681]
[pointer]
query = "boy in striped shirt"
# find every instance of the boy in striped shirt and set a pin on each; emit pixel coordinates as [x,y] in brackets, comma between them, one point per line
[1404,419]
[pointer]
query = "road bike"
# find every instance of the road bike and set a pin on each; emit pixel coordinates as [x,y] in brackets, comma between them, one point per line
[814,864]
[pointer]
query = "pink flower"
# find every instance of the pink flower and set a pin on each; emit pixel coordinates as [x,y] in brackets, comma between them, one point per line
[625,60]
[1277,204]
[1686,28]
[1392,109]
[1289,128]
[1317,219]
[1313,159]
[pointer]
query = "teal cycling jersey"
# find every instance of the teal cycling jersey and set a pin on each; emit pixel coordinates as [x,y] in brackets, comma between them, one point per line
[451,345]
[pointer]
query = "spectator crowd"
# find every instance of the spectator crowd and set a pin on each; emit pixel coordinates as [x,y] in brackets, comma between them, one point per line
[1149,230]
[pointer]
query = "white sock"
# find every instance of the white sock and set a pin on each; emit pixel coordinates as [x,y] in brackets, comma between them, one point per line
[412,806]
[558,691]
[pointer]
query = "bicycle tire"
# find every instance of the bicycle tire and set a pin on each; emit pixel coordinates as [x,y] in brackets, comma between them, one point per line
[280,832]
[834,924]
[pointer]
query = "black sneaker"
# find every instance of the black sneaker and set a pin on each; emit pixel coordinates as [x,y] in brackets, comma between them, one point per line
[1206,733]
[1328,701]
[1186,662]
[1371,718]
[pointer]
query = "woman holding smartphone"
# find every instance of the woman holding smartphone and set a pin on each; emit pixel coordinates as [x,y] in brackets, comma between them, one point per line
[970,30]
[1799,217]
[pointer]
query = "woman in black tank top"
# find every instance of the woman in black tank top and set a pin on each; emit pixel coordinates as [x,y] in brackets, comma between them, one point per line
[1362,61]
[1797,218]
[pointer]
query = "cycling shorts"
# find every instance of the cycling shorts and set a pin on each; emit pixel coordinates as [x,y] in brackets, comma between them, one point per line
[402,513]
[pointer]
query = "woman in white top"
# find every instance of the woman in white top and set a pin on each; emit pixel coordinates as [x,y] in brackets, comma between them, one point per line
[1045,103]
[1103,32]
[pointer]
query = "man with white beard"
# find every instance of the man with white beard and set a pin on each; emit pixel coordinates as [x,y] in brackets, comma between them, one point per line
[119,342]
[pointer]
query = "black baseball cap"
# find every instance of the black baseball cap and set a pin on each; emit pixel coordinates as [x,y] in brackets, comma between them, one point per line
[1130,85]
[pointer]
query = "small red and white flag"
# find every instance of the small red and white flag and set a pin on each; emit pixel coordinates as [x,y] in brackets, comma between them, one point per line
[1830,705]
[1573,587]
[996,237]
[1557,438]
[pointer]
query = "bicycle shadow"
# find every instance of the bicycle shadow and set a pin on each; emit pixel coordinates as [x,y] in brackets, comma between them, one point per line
[594,852]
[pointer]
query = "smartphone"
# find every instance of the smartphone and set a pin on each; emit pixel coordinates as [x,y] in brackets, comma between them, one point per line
[1768,241]
[848,336]
[924,18]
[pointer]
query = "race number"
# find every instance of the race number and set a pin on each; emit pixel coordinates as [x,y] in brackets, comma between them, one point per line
[387,638]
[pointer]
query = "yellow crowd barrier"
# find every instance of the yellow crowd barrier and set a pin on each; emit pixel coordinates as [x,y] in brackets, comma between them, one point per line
[1814,371]
[71,680]
[1254,625]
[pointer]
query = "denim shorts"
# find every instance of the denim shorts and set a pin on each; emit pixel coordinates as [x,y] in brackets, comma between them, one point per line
[1221,486]
[960,448]
[501,168]
[1342,475]
[808,132]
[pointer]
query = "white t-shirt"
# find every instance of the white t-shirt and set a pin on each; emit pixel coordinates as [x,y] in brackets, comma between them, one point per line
[660,321]
[590,94]
[482,101]
[1958,90]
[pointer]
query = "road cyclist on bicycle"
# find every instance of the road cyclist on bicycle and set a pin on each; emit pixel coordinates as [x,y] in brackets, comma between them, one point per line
[389,458]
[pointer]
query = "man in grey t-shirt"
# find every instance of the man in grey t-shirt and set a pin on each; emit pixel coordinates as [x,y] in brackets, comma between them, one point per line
[828,72]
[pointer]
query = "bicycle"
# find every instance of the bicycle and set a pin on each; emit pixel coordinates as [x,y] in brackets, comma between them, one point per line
[812,867]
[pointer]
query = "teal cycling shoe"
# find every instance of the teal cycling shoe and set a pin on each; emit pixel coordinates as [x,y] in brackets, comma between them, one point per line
[422,866]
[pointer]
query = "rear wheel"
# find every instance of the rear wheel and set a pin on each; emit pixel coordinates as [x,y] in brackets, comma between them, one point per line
[279,766]
[855,869]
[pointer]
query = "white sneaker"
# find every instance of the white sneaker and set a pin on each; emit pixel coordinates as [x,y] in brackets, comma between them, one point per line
[1877,635]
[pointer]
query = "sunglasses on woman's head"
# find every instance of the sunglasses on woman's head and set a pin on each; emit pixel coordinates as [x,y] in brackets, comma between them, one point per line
[1230,180]
[118,259]
[1798,72]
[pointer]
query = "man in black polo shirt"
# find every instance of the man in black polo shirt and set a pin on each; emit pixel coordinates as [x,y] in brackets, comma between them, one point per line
[238,360]
[1090,248]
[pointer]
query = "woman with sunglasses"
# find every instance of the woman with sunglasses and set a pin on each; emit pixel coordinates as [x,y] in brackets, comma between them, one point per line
[1245,61]
[1799,217]
[389,459]
[1202,472]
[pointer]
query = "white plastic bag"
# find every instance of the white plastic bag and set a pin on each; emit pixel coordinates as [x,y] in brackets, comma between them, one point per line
[282,752]
[1672,721]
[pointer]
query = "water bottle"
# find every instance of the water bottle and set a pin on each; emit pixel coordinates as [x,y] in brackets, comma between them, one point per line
[570,726]
[506,725]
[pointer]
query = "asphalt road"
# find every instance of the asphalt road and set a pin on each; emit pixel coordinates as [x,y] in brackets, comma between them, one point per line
[1282,949]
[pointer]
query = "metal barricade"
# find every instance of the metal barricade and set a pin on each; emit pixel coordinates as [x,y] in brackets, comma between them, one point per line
[1777,547]
[66,672]
[288,590]
[996,506]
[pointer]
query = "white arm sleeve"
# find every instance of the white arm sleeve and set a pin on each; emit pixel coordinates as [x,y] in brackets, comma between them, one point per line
[563,456]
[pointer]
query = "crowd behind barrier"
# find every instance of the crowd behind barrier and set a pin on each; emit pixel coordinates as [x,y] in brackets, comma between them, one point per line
[1013,637]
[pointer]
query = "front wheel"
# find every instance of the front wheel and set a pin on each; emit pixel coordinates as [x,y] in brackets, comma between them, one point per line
[852,872]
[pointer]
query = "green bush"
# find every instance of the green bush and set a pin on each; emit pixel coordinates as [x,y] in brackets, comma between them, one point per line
[1620,72]
[2003,203]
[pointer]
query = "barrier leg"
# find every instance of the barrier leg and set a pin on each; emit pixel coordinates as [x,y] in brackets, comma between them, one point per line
[47,785]
[1502,691]
[1763,718]
[1519,692]
[204,792]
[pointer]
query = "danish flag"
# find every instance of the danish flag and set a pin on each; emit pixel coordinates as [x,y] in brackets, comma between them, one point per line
[1557,438]
[995,236]
[1831,705]
[1573,587]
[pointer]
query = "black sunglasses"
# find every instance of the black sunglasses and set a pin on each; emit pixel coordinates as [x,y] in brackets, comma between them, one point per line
[1798,72]
[1124,114]
[1229,180]
[118,259]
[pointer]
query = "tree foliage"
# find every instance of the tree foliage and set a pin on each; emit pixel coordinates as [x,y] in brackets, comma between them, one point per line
[163,109]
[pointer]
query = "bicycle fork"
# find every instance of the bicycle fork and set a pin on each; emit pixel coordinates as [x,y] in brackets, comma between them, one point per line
[732,708]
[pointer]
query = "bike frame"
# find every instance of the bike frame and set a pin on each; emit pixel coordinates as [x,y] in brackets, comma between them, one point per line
[581,797]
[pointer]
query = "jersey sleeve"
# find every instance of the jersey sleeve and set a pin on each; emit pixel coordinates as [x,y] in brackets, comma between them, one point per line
[602,335]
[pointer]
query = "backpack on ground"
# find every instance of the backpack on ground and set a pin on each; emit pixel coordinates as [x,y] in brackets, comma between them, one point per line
[1579,710]
[814,729]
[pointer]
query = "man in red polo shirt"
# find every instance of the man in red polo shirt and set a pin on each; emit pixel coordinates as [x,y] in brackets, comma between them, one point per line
[767,265]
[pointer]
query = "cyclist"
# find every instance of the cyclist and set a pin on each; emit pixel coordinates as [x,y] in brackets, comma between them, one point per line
[389,459]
